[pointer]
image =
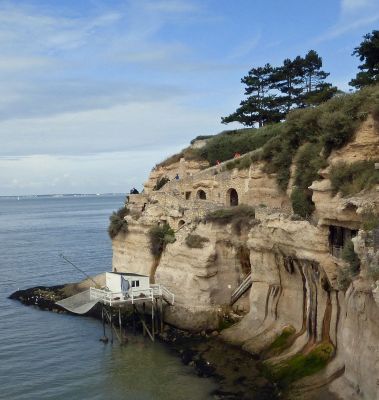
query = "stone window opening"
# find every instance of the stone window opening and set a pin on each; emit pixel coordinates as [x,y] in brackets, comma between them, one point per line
[232,197]
[338,238]
[181,223]
[201,195]
[188,195]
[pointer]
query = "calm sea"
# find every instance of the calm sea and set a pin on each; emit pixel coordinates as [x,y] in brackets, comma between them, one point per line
[49,356]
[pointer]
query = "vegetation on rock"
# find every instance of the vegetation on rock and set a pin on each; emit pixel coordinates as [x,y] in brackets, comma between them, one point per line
[117,222]
[159,237]
[283,341]
[349,179]
[188,153]
[370,220]
[223,147]
[300,365]
[352,268]
[228,215]
[196,241]
[161,182]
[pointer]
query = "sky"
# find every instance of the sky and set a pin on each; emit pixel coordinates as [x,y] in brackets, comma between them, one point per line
[95,93]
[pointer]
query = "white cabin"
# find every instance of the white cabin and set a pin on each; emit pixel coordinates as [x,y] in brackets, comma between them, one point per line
[117,282]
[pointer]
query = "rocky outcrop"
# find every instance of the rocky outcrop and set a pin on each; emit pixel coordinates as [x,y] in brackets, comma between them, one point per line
[296,310]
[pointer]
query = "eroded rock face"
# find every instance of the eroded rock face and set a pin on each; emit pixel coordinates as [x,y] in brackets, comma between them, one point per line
[294,274]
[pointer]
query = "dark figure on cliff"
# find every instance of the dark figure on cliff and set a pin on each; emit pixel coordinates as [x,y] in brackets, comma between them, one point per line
[134,191]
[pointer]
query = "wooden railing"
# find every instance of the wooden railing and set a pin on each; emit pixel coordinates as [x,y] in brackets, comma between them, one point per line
[133,295]
[162,291]
[113,298]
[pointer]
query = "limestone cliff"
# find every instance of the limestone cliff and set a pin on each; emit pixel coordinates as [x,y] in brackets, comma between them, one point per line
[296,308]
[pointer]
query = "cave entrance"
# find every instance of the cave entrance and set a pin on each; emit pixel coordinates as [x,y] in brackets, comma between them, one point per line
[181,223]
[338,238]
[201,195]
[232,197]
[188,195]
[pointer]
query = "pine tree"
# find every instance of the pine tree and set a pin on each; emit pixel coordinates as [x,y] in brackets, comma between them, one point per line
[315,89]
[260,106]
[287,80]
[368,53]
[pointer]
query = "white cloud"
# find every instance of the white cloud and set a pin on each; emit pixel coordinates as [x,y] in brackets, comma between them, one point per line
[122,127]
[354,15]
[246,47]
[353,5]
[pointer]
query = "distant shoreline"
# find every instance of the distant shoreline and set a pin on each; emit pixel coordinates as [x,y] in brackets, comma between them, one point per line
[60,195]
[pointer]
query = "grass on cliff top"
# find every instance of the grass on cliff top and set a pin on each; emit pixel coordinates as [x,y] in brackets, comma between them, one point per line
[188,153]
[117,222]
[300,365]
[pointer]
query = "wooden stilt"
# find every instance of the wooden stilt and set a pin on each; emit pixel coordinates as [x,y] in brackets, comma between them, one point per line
[145,327]
[157,316]
[152,319]
[120,322]
[134,319]
[111,324]
[143,316]
[161,313]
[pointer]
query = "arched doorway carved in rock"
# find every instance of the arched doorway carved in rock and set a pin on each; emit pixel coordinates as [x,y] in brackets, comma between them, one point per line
[201,195]
[232,197]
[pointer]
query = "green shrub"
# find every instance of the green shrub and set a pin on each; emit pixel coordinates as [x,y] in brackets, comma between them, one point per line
[329,126]
[117,222]
[373,268]
[302,204]
[159,237]
[349,179]
[161,182]
[228,215]
[337,129]
[196,241]
[370,221]
[347,274]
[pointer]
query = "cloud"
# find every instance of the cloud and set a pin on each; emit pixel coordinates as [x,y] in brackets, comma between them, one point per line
[354,15]
[246,47]
[119,128]
[353,5]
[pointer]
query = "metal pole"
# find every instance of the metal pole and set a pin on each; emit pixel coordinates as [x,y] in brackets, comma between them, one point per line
[76,267]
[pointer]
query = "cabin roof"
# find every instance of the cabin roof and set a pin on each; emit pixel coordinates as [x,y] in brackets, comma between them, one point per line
[127,274]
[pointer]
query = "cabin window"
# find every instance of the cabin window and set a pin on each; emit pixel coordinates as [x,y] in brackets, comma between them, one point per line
[135,283]
[232,197]
[338,238]
[188,195]
[201,195]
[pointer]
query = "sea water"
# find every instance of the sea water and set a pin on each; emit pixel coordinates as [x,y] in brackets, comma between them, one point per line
[44,355]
